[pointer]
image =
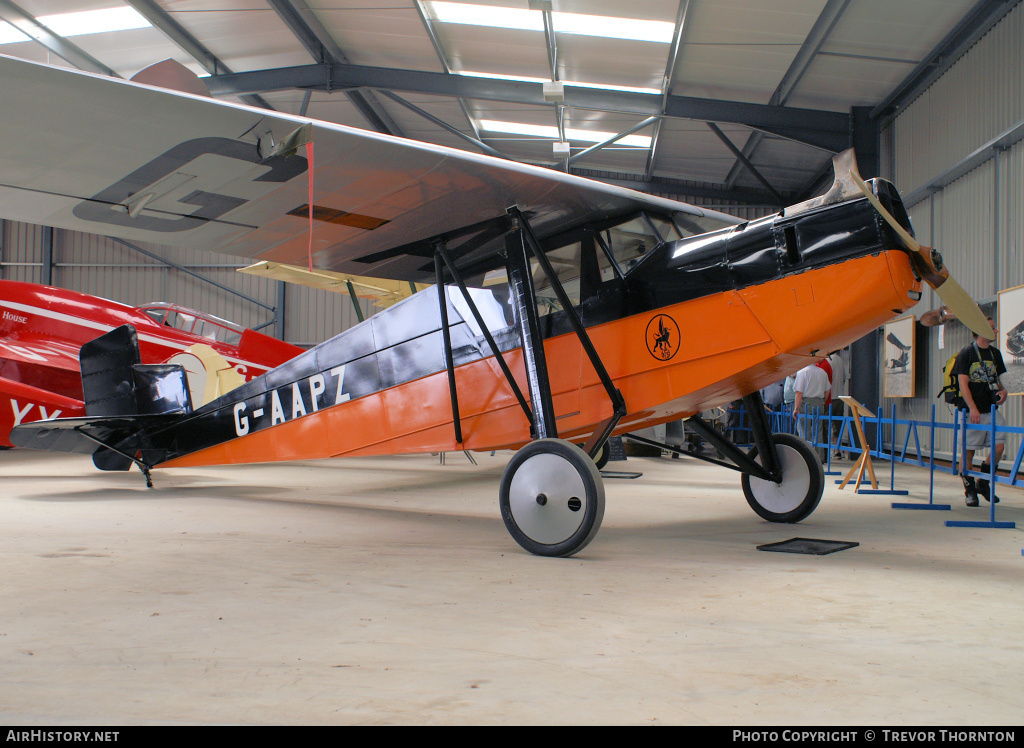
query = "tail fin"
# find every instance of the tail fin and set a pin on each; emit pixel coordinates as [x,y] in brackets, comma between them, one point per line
[116,383]
[897,342]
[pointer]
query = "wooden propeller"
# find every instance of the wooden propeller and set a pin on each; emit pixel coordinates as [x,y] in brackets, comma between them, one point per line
[935,274]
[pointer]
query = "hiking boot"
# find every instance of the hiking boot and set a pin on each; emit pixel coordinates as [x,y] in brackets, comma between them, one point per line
[984,489]
[986,492]
[970,490]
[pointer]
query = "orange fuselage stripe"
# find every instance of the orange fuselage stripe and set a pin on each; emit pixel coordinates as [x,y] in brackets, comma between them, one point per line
[731,343]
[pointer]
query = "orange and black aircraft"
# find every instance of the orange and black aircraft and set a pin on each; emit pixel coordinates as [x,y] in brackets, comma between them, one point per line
[562,312]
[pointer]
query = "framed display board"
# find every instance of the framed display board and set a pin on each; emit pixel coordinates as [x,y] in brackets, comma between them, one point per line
[899,357]
[1011,338]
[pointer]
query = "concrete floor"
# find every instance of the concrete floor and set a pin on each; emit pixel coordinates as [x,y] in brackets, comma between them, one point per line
[386,590]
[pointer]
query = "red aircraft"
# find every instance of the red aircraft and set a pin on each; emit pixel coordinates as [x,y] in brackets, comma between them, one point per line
[563,310]
[42,329]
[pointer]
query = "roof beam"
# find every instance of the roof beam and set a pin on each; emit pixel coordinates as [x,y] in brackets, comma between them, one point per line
[815,39]
[435,41]
[821,129]
[614,139]
[28,25]
[317,40]
[442,124]
[743,159]
[549,35]
[184,40]
[668,79]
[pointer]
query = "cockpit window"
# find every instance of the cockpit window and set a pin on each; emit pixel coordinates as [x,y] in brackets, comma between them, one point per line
[628,243]
[156,314]
[198,323]
[566,263]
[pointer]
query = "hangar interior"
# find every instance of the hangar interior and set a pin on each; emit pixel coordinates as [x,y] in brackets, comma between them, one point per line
[281,597]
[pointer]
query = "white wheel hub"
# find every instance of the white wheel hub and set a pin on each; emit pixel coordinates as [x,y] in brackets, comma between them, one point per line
[547,498]
[790,493]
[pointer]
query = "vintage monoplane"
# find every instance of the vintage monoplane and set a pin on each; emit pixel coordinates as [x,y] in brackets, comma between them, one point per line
[42,329]
[563,310]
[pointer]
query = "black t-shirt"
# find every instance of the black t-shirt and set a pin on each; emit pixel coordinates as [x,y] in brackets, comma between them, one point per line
[969,363]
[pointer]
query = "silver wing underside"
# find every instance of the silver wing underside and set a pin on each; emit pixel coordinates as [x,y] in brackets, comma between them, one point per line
[111,157]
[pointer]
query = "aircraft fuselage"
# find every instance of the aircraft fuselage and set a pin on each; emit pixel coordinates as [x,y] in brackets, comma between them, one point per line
[696,323]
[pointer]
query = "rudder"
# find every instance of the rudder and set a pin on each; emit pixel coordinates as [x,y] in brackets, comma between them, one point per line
[115,382]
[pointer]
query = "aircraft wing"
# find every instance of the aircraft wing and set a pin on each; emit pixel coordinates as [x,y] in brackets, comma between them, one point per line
[46,352]
[384,292]
[112,157]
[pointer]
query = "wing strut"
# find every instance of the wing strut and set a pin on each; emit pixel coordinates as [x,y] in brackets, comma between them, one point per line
[441,255]
[520,244]
[770,470]
[600,436]
[543,424]
[449,363]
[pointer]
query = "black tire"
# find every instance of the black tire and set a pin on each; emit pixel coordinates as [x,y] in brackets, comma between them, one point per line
[552,498]
[603,454]
[803,482]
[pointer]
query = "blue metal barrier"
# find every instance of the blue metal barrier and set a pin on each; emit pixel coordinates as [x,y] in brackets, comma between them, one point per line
[811,421]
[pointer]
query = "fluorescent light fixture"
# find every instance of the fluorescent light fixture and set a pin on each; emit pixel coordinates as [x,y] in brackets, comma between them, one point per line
[564,23]
[551,132]
[10,35]
[613,28]
[527,79]
[79,24]
[486,15]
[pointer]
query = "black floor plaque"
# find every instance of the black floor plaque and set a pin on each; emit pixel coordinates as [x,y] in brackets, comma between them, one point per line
[808,545]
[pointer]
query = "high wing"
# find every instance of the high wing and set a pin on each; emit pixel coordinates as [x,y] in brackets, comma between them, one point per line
[148,164]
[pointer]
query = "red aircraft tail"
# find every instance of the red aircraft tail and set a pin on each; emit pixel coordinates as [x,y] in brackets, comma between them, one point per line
[23,403]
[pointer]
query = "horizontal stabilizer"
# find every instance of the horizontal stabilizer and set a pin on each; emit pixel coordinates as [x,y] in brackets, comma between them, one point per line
[86,434]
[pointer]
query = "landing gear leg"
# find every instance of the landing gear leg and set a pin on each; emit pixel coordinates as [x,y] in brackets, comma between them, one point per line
[798,493]
[552,498]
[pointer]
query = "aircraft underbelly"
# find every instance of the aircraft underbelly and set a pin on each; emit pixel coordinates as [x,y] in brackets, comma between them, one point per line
[668,363]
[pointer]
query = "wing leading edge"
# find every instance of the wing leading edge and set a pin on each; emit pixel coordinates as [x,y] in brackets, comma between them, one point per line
[149,164]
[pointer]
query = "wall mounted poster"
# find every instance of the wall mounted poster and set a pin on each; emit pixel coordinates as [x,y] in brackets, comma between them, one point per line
[1011,338]
[899,357]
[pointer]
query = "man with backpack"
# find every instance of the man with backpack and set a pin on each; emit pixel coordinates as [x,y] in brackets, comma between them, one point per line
[977,370]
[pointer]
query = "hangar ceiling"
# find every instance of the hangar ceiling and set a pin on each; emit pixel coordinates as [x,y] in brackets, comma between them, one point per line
[731,100]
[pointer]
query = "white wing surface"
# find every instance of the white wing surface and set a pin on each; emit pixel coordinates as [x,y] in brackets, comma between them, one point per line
[112,157]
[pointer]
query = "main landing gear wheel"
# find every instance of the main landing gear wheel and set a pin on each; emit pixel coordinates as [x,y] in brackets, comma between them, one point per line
[803,481]
[552,498]
[602,456]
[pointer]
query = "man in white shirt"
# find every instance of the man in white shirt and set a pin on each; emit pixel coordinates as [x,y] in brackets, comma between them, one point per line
[812,388]
[838,407]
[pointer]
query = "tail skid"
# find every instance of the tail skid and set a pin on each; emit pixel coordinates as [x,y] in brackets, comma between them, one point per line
[123,400]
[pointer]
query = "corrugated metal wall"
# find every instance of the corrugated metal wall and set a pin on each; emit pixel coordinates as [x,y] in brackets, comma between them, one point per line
[114,270]
[977,221]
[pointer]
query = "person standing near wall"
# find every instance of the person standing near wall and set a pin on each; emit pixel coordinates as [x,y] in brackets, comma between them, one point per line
[837,409]
[812,390]
[977,369]
[788,398]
